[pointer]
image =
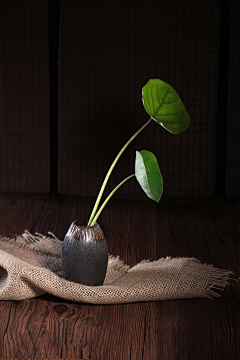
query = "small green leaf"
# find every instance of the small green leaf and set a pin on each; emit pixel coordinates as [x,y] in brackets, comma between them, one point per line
[148,174]
[164,105]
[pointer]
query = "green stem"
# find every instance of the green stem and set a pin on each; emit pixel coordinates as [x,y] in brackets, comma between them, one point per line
[110,171]
[108,198]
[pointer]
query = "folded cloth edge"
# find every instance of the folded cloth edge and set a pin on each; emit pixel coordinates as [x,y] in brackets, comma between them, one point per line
[36,280]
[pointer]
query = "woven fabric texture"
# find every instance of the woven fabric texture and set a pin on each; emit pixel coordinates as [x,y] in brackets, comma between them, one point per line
[30,266]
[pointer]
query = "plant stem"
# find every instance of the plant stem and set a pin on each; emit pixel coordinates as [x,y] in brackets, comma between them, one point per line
[108,198]
[111,169]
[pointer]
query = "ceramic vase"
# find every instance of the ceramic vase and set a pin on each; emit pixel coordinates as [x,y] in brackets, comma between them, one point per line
[85,255]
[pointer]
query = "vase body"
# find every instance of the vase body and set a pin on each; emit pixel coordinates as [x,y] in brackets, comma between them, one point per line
[85,255]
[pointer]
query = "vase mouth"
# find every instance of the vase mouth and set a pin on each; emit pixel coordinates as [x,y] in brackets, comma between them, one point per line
[85,232]
[76,224]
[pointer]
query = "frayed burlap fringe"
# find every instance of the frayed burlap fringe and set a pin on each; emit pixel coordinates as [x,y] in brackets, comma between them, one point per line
[30,265]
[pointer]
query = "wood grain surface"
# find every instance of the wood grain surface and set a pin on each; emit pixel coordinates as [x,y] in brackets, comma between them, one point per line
[48,327]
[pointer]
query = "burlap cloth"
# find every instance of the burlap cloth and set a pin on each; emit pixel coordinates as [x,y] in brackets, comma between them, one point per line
[30,265]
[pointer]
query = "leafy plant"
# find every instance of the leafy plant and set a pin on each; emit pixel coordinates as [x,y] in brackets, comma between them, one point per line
[164,105]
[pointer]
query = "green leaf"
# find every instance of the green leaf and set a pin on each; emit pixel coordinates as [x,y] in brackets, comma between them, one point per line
[148,174]
[164,105]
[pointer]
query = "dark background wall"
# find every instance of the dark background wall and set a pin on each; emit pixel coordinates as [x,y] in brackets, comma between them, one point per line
[71,94]
[24,133]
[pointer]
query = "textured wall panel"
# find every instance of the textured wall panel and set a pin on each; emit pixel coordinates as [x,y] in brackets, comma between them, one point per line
[24,137]
[233,130]
[108,52]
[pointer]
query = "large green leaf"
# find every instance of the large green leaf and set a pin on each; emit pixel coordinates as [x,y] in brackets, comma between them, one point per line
[164,105]
[148,174]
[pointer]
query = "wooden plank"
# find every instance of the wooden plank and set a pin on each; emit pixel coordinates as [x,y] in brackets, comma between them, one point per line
[63,329]
[199,328]
[19,212]
[50,327]
[25,319]
[20,320]
[96,332]
[130,231]
[59,212]
[129,227]
[89,328]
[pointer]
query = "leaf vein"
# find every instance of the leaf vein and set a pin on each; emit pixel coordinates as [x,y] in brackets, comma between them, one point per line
[152,96]
[171,114]
[162,101]
[171,102]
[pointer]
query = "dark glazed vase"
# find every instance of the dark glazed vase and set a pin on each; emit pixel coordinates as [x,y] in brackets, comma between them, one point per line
[85,255]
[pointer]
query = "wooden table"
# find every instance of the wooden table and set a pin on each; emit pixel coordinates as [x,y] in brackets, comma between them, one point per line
[199,329]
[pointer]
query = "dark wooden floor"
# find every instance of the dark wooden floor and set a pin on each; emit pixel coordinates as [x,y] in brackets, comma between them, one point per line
[197,329]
